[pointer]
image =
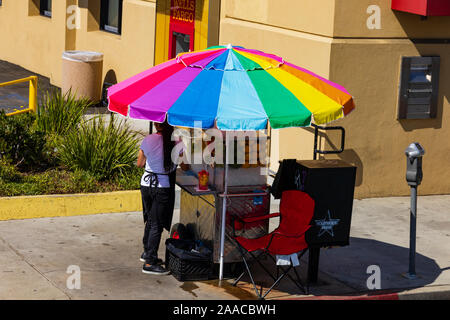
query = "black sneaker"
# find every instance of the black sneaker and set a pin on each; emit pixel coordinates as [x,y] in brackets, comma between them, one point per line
[154,269]
[143,256]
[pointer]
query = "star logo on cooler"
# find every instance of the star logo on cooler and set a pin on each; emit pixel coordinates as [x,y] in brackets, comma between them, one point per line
[326,225]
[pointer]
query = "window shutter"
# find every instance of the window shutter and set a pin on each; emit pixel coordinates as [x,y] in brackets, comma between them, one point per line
[419,87]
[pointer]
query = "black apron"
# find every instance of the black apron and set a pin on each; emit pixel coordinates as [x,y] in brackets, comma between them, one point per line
[152,178]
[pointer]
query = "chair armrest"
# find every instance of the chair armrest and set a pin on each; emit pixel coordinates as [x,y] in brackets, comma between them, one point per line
[258,218]
[299,234]
[238,222]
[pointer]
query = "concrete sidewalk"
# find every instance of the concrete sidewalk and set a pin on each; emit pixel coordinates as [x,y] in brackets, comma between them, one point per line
[380,236]
[35,255]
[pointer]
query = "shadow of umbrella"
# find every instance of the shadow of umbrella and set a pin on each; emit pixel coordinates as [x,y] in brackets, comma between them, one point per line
[349,265]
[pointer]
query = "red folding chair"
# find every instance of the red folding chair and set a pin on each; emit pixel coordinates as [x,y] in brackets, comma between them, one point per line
[296,212]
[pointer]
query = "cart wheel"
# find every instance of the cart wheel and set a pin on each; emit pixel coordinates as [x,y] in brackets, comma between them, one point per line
[178,231]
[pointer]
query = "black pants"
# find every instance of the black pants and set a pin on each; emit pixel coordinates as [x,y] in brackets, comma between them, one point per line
[156,204]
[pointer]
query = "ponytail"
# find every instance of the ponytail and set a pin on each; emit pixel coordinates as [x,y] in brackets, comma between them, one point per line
[168,146]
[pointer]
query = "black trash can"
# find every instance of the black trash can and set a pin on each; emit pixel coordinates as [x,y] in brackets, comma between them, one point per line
[188,260]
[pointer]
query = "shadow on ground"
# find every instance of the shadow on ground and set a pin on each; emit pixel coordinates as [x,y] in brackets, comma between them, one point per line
[343,270]
[393,261]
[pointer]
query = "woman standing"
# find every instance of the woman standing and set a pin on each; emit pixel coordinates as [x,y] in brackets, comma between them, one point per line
[158,193]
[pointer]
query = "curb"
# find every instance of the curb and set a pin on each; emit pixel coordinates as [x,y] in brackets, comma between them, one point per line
[388,296]
[30,207]
[425,293]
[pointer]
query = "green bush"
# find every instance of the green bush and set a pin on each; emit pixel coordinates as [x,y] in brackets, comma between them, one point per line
[98,156]
[60,113]
[130,180]
[103,150]
[21,142]
[8,172]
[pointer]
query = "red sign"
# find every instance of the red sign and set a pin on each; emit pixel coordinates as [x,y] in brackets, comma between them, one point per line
[423,7]
[182,12]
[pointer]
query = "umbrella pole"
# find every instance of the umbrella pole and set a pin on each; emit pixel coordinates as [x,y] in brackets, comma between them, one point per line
[224,211]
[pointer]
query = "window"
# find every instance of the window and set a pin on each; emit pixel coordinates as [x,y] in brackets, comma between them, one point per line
[111,16]
[45,8]
[419,88]
[182,43]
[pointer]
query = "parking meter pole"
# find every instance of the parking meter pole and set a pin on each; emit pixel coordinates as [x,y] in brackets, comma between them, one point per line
[412,234]
[414,154]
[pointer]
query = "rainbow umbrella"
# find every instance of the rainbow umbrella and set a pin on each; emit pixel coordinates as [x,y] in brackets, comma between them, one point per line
[231,88]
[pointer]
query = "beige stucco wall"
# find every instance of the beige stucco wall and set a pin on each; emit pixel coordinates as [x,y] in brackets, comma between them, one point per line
[40,41]
[351,16]
[376,140]
[367,62]
[30,40]
[126,54]
[315,17]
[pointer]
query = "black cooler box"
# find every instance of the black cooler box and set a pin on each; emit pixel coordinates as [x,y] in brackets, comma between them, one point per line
[188,260]
[331,183]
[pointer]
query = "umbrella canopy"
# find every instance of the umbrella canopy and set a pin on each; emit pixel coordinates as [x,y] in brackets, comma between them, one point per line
[231,88]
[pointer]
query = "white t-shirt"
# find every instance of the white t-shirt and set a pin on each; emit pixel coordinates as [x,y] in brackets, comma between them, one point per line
[152,146]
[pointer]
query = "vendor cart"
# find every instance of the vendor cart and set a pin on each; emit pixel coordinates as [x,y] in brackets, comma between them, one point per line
[201,211]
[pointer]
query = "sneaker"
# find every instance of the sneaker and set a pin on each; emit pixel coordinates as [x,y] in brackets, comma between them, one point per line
[143,256]
[154,269]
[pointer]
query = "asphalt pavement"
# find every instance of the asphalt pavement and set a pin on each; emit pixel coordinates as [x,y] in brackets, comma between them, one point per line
[16,96]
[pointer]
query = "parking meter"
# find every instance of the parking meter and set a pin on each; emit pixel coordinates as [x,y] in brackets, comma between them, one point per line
[414,154]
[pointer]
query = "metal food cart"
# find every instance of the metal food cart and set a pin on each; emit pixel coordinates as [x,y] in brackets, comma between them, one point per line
[247,195]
